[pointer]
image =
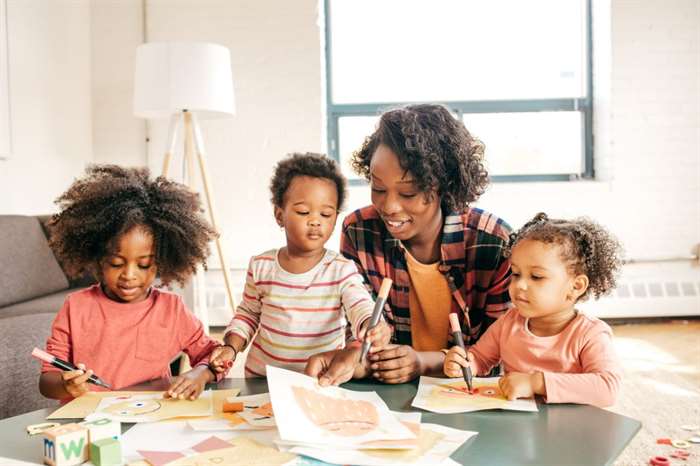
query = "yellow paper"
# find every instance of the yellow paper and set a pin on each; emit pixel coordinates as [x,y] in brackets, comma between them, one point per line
[245,452]
[81,407]
[153,407]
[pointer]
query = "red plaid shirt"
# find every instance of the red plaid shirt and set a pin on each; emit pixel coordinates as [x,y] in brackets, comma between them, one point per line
[472,260]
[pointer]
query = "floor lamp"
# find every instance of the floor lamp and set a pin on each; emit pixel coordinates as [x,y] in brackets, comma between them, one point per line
[183,81]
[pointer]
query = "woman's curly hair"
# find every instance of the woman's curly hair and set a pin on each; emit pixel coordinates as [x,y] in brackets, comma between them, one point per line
[435,148]
[109,201]
[586,246]
[308,164]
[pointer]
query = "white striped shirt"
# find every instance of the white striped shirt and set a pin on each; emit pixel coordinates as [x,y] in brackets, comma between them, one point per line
[298,315]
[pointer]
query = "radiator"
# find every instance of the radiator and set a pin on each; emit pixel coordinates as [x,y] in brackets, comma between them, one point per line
[661,289]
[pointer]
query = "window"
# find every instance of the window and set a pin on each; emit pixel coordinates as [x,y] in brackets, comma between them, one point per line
[517,73]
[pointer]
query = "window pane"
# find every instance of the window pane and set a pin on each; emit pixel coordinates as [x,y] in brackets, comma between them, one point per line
[448,50]
[352,132]
[541,143]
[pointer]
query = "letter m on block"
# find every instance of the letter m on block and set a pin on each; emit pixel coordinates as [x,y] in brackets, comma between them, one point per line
[73,448]
[49,449]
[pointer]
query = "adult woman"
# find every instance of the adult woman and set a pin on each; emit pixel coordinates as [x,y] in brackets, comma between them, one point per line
[424,169]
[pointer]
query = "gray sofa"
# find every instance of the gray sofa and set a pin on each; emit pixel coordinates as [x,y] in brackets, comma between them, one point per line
[32,289]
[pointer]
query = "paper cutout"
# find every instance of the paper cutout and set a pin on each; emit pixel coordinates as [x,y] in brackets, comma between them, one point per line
[160,458]
[212,443]
[435,444]
[153,407]
[452,396]
[329,416]
[257,414]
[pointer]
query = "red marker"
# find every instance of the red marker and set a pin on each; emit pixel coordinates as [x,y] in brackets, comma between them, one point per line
[66,366]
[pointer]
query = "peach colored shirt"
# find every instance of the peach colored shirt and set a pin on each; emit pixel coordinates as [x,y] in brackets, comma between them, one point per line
[579,363]
[123,343]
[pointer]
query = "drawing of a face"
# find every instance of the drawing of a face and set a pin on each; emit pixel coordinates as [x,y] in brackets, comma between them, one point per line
[459,390]
[133,407]
[348,418]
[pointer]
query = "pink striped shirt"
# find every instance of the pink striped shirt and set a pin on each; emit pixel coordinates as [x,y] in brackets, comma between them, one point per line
[298,315]
[579,363]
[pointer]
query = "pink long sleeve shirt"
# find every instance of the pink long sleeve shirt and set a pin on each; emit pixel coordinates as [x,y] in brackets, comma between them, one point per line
[579,363]
[123,343]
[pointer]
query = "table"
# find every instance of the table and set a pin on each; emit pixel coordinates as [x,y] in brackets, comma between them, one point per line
[558,435]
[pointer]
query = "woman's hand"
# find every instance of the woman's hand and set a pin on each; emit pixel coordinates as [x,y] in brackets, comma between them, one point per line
[455,359]
[379,336]
[336,366]
[518,385]
[189,385]
[222,358]
[396,364]
[75,382]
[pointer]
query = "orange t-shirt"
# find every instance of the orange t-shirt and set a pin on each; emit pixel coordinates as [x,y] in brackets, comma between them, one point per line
[429,303]
[123,343]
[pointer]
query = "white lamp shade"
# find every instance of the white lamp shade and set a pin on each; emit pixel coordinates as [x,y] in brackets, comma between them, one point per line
[174,76]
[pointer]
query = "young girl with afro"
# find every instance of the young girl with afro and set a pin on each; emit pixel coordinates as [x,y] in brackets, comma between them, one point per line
[546,345]
[298,298]
[127,230]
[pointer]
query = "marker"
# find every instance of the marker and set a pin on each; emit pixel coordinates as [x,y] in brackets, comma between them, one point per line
[376,314]
[457,335]
[66,366]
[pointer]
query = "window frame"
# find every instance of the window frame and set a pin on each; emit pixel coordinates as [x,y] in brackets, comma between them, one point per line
[584,105]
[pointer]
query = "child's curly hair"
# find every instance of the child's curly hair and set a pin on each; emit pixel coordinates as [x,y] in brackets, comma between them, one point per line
[435,148]
[308,164]
[109,201]
[587,247]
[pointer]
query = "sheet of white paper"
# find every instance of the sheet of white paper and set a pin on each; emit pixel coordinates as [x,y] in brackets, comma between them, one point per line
[169,435]
[406,418]
[436,444]
[330,416]
[449,396]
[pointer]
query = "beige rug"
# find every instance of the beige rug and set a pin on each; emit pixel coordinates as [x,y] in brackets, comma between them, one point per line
[661,387]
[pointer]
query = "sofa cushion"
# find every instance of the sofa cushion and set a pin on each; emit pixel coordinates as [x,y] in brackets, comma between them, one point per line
[19,378]
[29,268]
[51,303]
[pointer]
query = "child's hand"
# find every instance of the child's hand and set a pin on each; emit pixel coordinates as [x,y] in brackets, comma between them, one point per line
[189,385]
[455,359]
[379,336]
[75,382]
[518,385]
[222,358]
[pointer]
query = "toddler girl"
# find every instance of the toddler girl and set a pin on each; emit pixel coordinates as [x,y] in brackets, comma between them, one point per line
[127,230]
[299,298]
[547,346]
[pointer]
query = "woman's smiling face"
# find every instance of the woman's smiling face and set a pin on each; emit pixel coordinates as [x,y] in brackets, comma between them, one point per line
[407,212]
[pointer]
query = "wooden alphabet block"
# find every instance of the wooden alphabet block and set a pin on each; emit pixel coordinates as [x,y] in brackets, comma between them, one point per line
[66,445]
[106,452]
[102,428]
